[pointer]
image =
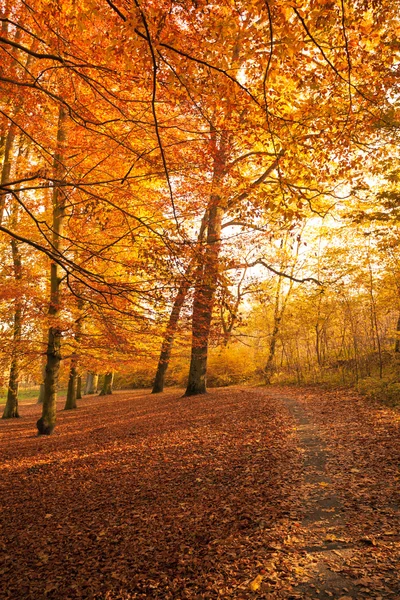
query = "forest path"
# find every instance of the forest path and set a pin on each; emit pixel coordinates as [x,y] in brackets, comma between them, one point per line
[350,509]
[243,493]
[324,521]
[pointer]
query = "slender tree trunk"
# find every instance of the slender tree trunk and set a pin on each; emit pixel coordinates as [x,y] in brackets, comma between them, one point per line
[397,342]
[41,388]
[79,387]
[6,167]
[106,390]
[92,381]
[279,310]
[47,421]
[72,391]
[11,407]
[70,402]
[374,318]
[278,313]
[165,355]
[166,348]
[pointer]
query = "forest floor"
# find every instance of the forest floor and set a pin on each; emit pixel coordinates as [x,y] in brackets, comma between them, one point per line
[279,493]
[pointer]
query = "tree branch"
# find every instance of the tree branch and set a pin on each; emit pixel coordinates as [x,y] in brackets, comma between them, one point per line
[260,261]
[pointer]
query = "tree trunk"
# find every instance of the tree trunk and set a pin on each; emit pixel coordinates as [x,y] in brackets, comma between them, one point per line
[165,355]
[70,402]
[47,421]
[106,390]
[72,391]
[207,274]
[374,319]
[79,388]
[43,367]
[11,407]
[206,284]
[92,381]
[279,309]
[6,167]
[41,388]
[397,342]
[269,367]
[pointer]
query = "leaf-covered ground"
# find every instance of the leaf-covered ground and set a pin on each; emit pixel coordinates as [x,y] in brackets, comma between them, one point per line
[242,493]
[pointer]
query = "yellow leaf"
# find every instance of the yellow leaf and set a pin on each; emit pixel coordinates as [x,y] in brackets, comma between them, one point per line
[256,583]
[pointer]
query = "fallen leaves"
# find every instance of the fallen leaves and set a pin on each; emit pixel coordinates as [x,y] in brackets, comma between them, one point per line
[255,585]
[205,501]
[186,508]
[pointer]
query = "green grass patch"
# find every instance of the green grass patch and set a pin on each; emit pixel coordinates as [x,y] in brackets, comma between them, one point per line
[27,394]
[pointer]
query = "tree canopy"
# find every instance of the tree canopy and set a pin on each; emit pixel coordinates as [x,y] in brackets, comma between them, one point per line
[176,156]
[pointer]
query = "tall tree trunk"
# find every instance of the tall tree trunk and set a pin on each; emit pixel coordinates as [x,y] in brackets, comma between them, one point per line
[374,319]
[79,387]
[92,382]
[206,285]
[107,384]
[207,274]
[70,402]
[166,348]
[278,313]
[11,407]
[165,354]
[72,391]
[47,421]
[41,388]
[280,307]
[6,166]
[397,342]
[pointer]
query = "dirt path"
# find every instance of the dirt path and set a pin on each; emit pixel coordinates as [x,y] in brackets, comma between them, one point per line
[324,521]
[242,493]
[350,495]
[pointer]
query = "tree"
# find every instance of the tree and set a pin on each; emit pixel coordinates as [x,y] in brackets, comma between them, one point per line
[107,384]
[250,116]
[47,421]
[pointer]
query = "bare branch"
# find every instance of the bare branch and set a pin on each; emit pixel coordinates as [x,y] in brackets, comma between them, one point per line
[257,182]
[260,261]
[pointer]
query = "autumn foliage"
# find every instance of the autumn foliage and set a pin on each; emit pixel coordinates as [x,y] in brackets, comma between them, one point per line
[155,155]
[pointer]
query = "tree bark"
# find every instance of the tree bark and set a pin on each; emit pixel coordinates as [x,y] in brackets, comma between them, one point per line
[107,384]
[6,167]
[41,388]
[169,336]
[397,342]
[165,354]
[279,310]
[207,274]
[72,391]
[92,381]
[70,402]
[11,407]
[206,285]
[79,388]
[47,421]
